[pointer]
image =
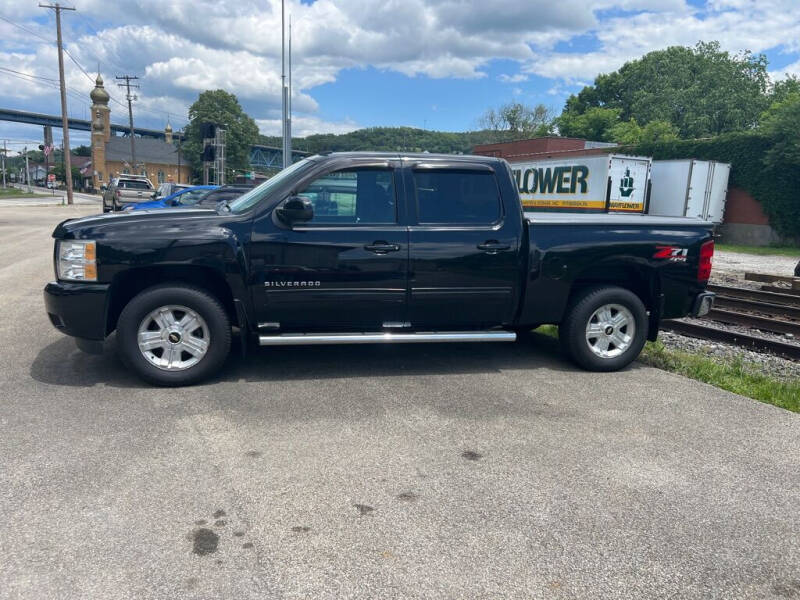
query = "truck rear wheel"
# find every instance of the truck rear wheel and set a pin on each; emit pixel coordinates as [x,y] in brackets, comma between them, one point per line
[605,328]
[174,335]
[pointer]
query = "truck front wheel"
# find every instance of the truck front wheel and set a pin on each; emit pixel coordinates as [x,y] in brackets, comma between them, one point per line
[605,328]
[173,335]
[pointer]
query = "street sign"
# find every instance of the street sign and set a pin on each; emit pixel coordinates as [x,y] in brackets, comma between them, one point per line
[51,177]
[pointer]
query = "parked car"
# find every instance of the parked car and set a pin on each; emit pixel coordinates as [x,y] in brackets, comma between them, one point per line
[126,189]
[372,248]
[168,188]
[183,197]
[797,270]
[224,193]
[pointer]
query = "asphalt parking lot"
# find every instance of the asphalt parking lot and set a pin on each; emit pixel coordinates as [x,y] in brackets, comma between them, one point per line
[442,471]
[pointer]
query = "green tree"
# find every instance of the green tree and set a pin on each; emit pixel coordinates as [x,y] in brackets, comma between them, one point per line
[222,108]
[593,124]
[626,132]
[659,131]
[782,89]
[781,122]
[516,121]
[702,91]
[60,171]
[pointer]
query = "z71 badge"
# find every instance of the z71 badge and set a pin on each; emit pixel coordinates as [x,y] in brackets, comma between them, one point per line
[671,253]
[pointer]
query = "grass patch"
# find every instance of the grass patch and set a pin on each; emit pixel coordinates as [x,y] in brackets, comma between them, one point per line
[14,193]
[734,375]
[760,250]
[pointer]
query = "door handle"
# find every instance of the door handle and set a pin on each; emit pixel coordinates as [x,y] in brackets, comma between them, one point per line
[382,248]
[493,246]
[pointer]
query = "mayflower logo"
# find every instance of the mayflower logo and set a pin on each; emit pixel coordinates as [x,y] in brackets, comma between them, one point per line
[626,184]
[287,284]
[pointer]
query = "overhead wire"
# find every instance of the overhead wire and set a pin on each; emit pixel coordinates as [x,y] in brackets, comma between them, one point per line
[169,114]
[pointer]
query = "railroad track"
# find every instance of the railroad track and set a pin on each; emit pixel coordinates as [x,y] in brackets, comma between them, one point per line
[751,342]
[755,309]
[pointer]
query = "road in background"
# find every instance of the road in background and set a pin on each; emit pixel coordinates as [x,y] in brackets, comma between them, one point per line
[441,471]
[45,197]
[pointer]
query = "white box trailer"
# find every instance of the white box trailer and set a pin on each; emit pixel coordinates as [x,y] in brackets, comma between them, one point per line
[589,183]
[689,188]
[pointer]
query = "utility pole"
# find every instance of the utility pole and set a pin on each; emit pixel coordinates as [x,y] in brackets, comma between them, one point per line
[128,85]
[27,170]
[287,131]
[289,97]
[5,150]
[64,120]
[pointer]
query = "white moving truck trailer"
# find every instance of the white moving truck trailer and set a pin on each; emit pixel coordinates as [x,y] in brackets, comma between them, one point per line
[689,188]
[599,183]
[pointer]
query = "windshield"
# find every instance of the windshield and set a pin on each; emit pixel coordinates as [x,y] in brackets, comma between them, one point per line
[191,197]
[254,196]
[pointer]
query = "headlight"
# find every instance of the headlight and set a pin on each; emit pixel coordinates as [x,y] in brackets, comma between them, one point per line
[76,260]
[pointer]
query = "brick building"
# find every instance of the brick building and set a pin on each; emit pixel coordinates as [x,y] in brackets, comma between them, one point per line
[159,159]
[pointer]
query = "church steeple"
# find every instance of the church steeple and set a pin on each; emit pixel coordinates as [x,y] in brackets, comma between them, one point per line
[168,133]
[99,95]
[101,131]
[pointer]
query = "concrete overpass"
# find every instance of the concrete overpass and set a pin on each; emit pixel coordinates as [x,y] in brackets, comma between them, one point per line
[20,116]
[264,157]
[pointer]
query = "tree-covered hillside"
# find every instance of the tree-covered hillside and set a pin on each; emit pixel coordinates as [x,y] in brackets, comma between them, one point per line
[389,139]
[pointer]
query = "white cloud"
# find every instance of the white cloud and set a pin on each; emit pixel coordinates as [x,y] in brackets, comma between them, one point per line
[624,38]
[303,126]
[183,47]
[516,78]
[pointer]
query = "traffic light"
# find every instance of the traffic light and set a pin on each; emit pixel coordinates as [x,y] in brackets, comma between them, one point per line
[208,130]
[209,154]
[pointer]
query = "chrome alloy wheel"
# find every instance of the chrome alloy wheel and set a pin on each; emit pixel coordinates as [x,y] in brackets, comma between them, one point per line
[610,330]
[173,338]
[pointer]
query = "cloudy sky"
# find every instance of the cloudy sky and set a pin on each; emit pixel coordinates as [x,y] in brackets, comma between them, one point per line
[425,63]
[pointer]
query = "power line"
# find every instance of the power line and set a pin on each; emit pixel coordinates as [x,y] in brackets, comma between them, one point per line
[72,58]
[153,111]
[28,75]
[72,92]
[25,29]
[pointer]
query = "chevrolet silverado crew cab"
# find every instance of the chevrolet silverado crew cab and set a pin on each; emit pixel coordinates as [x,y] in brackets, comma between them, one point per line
[357,248]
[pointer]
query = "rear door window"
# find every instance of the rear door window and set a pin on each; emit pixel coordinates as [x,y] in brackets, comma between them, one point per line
[457,197]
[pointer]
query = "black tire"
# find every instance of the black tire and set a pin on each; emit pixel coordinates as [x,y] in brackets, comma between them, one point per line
[196,299]
[573,329]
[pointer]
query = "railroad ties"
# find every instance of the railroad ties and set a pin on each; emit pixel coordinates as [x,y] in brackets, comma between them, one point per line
[773,309]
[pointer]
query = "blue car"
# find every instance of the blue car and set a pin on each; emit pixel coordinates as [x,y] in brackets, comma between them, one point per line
[184,197]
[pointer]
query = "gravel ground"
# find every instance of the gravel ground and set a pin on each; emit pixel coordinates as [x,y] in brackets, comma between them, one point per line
[730,267]
[767,364]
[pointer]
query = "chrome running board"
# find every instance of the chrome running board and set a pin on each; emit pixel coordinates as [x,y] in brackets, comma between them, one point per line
[297,339]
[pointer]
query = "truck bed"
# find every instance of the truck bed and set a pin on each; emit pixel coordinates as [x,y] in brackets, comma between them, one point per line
[561,218]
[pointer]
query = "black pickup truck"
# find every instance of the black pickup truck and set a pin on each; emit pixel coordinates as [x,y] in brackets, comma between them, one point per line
[369,248]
